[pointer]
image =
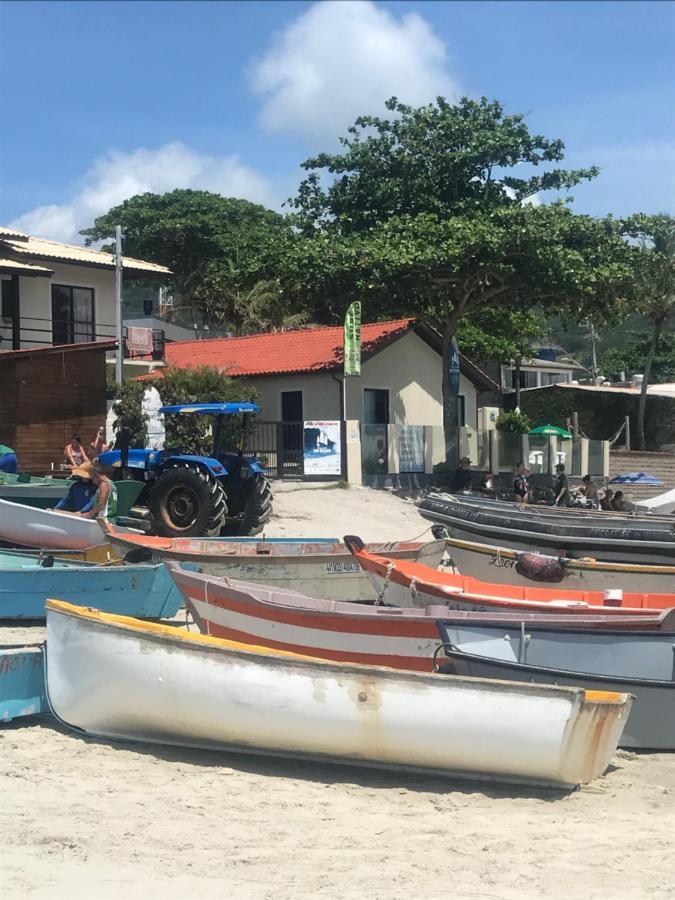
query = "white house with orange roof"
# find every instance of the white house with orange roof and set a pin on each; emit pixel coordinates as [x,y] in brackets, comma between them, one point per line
[396,402]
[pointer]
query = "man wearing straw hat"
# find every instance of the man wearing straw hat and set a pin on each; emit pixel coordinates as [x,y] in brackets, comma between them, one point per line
[81,492]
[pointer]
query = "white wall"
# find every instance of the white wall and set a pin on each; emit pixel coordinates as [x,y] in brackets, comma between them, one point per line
[36,302]
[409,369]
[413,373]
[320,395]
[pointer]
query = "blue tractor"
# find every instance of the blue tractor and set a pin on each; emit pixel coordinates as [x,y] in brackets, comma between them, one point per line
[194,496]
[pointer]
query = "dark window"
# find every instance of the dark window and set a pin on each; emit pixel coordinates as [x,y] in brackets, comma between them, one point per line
[528,379]
[7,300]
[461,410]
[291,406]
[375,406]
[72,314]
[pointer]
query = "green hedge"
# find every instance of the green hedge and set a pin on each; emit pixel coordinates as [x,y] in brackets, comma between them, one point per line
[601,413]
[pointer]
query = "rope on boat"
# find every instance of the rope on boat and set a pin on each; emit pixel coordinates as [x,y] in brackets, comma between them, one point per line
[385,584]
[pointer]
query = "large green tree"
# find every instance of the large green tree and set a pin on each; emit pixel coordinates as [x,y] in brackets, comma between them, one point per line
[217,247]
[425,213]
[652,239]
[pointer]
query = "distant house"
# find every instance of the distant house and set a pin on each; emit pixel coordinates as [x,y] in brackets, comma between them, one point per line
[396,399]
[536,373]
[55,294]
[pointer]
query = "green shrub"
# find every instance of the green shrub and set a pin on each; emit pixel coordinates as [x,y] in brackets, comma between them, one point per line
[189,433]
[513,422]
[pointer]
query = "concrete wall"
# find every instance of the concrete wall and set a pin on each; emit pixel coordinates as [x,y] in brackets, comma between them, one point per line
[36,302]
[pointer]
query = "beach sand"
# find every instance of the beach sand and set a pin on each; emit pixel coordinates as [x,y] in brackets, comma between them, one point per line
[85,818]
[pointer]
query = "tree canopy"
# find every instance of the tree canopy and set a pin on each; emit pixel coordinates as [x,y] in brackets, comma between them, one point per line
[424,213]
[217,247]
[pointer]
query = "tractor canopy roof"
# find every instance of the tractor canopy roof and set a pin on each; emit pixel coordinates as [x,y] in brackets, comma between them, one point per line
[213,409]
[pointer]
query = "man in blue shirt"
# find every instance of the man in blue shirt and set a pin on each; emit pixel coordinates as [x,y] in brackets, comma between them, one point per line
[81,493]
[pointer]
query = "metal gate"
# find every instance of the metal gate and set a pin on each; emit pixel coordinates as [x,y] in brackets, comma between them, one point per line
[280,447]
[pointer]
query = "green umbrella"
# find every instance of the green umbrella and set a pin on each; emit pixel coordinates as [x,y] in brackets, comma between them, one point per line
[552,430]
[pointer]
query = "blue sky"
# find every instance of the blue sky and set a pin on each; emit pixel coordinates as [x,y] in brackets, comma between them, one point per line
[103,100]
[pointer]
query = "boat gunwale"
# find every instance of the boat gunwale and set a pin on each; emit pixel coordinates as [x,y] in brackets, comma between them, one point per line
[454,651]
[567,538]
[581,563]
[161,634]
[418,615]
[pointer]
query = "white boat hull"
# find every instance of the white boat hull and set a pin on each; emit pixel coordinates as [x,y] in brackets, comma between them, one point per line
[497,565]
[28,526]
[116,678]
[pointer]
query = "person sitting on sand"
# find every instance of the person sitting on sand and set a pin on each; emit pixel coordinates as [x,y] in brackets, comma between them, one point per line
[618,504]
[462,478]
[606,501]
[74,453]
[590,491]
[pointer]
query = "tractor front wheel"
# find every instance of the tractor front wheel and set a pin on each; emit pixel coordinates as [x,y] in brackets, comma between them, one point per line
[187,502]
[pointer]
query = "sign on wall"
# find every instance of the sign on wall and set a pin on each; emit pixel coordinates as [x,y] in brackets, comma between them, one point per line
[411,448]
[322,448]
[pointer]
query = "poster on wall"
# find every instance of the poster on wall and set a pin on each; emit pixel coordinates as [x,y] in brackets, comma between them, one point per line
[411,448]
[323,451]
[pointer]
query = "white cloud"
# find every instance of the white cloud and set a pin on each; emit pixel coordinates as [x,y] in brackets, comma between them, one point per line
[342,59]
[119,175]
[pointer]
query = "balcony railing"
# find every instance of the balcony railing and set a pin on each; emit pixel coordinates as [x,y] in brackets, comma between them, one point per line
[39,332]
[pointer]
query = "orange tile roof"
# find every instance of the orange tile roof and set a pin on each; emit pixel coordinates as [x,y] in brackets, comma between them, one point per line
[304,350]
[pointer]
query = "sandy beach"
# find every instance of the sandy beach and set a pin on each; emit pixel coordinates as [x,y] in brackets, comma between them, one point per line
[85,818]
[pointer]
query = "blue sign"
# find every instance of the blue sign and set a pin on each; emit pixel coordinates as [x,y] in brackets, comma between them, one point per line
[453,368]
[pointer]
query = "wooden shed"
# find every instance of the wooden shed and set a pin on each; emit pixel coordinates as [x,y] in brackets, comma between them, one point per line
[47,395]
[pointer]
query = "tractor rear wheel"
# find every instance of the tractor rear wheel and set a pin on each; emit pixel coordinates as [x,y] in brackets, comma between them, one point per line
[187,502]
[257,509]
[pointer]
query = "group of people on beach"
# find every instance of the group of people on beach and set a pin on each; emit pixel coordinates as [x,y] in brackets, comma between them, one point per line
[609,500]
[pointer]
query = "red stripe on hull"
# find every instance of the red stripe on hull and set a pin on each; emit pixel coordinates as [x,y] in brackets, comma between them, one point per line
[409,663]
[338,623]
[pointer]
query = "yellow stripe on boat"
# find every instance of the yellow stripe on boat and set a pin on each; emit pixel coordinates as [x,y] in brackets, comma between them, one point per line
[87,612]
[602,696]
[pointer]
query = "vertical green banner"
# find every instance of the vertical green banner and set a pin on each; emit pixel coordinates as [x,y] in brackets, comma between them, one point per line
[352,339]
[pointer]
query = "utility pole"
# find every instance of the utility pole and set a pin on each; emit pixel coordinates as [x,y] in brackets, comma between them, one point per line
[119,360]
[594,356]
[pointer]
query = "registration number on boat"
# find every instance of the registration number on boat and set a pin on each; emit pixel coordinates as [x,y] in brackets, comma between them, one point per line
[342,568]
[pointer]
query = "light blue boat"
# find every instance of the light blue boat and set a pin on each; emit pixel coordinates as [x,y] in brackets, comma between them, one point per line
[22,682]
[142,591]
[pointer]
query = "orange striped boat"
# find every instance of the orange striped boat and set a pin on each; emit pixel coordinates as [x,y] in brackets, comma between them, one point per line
[351,632]
[402,583]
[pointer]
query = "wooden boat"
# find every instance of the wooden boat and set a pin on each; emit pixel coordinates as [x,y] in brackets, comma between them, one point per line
[327,569]
[501,565]
[29,527]
[22,682]
[31,490]
[118,678]
[641,664]
[351,632]
[404,583]
[25,584]
[639,539]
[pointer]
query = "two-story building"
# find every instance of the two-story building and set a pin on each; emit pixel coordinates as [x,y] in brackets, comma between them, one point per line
[57,294]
